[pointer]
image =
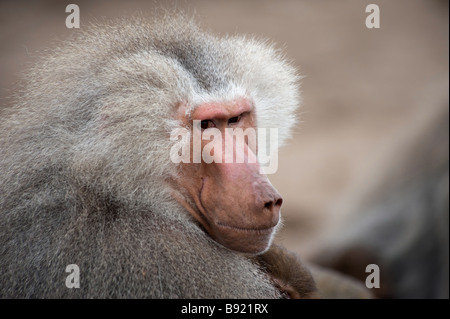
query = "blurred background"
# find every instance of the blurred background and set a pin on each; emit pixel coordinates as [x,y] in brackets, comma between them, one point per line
[365,176]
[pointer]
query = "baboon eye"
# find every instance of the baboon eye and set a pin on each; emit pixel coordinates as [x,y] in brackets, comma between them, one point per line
[206,124]
[235,119]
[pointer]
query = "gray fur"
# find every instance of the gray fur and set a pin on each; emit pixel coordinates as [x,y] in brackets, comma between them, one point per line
[85,153]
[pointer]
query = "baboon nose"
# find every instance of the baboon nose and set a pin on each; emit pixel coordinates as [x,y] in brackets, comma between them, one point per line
[274,204]
[272,209]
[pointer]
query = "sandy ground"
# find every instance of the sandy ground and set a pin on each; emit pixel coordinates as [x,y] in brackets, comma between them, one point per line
[364,89]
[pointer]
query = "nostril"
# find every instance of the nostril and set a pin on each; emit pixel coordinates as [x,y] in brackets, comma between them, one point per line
[279,202]
[268,205]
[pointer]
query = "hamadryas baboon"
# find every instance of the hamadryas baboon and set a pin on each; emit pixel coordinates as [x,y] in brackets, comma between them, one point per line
[86,176]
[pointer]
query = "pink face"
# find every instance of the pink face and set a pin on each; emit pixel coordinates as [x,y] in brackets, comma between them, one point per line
[236,205]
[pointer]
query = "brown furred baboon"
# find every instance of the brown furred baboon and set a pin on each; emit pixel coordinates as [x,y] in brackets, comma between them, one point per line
[86,176]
